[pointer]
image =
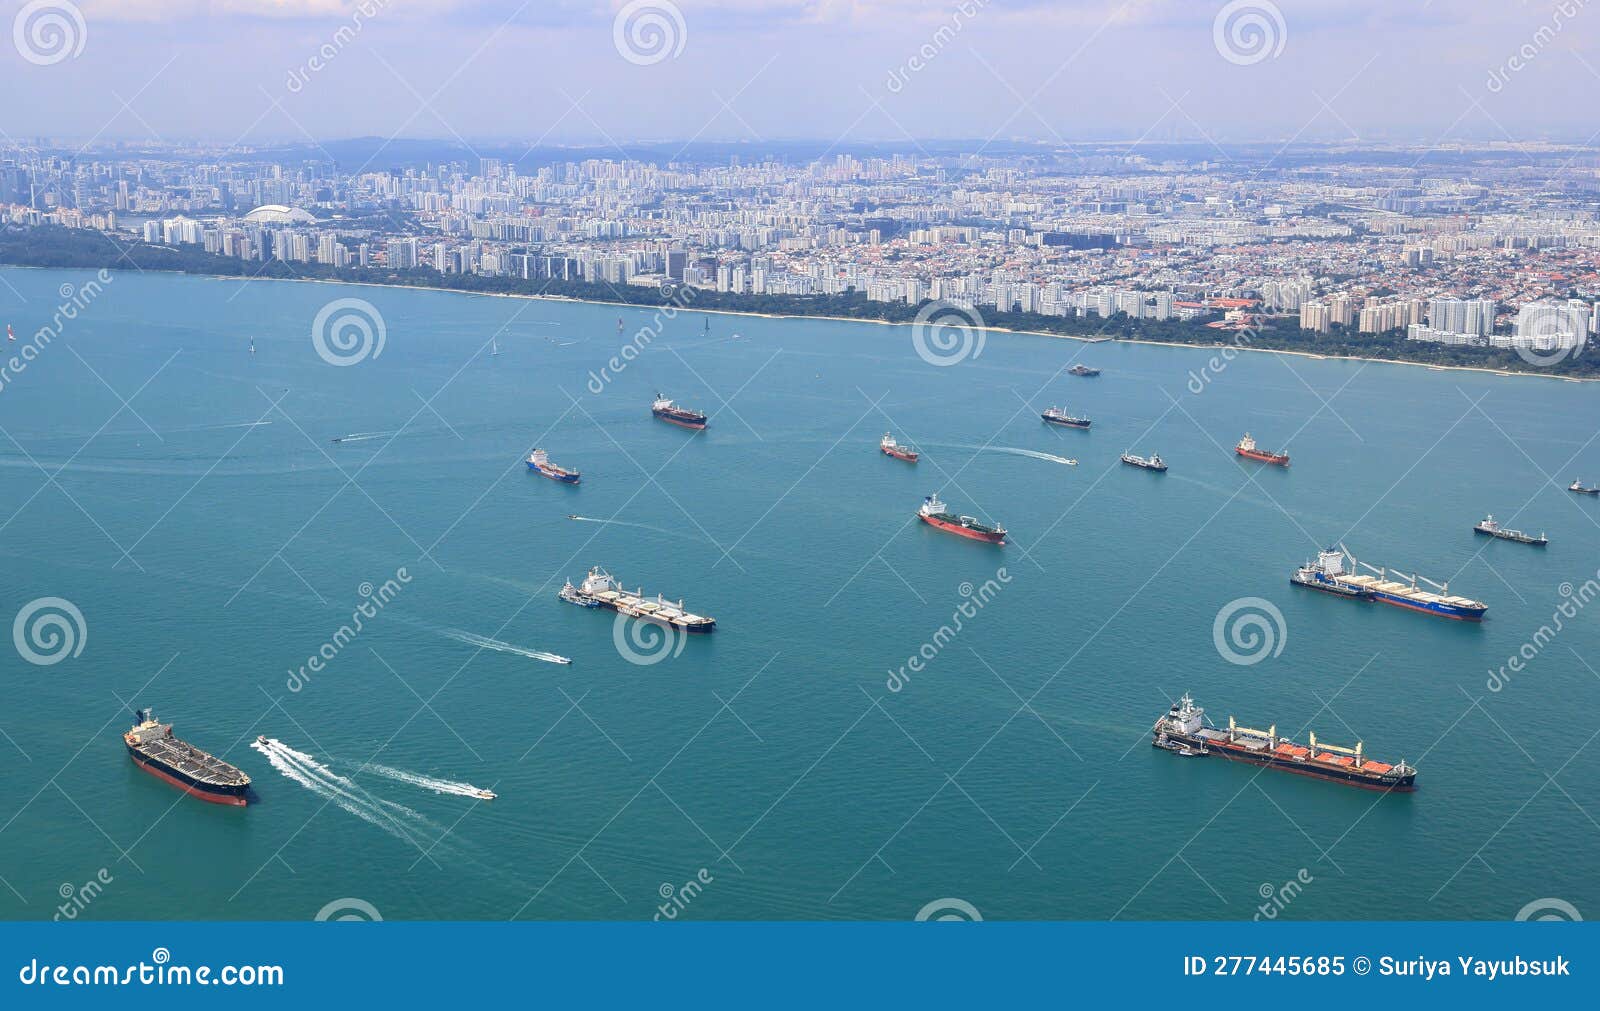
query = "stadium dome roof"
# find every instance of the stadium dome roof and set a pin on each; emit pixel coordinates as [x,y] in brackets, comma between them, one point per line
[278,214]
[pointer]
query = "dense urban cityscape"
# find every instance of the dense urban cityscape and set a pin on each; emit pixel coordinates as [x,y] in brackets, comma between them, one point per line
[1400,250]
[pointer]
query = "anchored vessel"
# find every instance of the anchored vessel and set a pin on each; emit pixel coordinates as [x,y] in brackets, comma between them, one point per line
[1151,462]
[1183,730]
[669,411]
[1337,571]
[935,514]
[1247,449]
[153,749]
[1057,416]
[1578,487]
[1494,529]
[1082,370]
[601,589]
[540,462]
[892,448]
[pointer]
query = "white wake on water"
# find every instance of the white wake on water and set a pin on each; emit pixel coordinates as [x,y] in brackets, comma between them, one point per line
[330,786]
[427,782]
[484,642]
[1032,454]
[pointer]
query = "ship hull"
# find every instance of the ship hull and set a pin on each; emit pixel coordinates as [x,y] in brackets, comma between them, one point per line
[1332,589]
[1537,542]
[950,527]
[566,478]
[1347,777]
[694,425]
[233,796]
[1450,611]
[907,457]
[1063,423]
[1273,458]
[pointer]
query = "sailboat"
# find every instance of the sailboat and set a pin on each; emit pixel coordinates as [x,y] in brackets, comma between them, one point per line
[619,324]
[705,331]
[494,347]
[10,334]
[252,345]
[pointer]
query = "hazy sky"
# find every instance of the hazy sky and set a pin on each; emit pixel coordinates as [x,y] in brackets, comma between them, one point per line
[570,71]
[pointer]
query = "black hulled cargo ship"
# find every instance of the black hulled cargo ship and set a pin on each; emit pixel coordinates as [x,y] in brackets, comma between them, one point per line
[153,749]
[672,413]
[1183,729]
[1492,528]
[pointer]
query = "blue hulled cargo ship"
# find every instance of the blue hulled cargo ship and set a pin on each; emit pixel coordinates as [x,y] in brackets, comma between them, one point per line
[1337,571]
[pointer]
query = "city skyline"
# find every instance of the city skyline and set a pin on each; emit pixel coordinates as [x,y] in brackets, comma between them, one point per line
[607,73]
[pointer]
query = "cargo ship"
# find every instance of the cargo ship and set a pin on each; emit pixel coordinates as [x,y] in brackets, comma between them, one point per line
[153,749]
[892,448]
[1151,462]
[1337,571]
[1082,370]
[540,463]
[669,411]
[1183,729]
[1493,529]
[1247,449]
[935,514]
[1057,416]
[601,589]
[1578,487]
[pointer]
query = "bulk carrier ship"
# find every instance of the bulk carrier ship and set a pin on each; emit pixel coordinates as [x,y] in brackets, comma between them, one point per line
[153,749]
[1183,730]
[1337,571]
[601,589]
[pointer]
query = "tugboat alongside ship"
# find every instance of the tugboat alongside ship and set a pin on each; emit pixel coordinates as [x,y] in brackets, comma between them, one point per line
[154,749]
[1493,529]
[937,515]
[1183,730]
[1336,571]
[1058,416]
[600,589]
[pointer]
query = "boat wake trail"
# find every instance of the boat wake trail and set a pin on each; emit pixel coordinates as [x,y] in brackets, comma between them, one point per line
[625,523]
[484,642]
[1032,454]
[329,785]
[364,436]
[428,782]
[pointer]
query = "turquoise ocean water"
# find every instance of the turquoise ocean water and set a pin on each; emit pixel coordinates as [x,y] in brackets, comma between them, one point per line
[186,498]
